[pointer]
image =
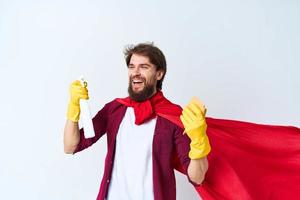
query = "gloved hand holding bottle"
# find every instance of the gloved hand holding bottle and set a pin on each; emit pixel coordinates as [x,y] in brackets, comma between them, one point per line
[77,92]
[193,119]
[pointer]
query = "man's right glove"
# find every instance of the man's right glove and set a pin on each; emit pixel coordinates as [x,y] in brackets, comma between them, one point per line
[77,92]
[193,119]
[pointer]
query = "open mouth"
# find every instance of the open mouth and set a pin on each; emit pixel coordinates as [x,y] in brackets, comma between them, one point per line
[137,82]
[137,85]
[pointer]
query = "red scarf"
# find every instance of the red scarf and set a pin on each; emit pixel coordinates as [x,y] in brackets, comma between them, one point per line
[247,160]
[156,105]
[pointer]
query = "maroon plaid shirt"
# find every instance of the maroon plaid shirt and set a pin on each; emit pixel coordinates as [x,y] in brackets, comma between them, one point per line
[167,140]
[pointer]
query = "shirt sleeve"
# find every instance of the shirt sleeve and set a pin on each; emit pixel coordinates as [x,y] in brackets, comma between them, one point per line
[182,145]
[100,127]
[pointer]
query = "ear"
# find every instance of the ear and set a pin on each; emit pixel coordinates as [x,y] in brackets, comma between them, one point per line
[159,74]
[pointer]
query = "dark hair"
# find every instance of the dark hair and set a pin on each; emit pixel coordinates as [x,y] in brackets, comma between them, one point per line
[154,54]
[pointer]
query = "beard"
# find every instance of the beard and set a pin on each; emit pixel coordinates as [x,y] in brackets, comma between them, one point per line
[143,95]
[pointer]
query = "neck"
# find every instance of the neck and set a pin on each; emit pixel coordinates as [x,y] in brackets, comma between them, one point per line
[154,92]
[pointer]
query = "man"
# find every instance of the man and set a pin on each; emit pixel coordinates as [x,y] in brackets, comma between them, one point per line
[145,133]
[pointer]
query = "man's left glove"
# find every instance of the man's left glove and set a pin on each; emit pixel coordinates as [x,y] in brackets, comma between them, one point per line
[193,119]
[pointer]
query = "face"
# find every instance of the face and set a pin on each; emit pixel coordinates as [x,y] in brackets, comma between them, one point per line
[143,77]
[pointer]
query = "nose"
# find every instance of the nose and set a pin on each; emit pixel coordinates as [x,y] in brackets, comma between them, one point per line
[136,71]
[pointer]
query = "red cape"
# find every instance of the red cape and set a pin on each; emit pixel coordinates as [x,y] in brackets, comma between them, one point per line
[247,160]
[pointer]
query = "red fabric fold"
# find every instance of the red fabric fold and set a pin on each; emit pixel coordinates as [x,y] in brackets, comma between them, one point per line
[247,160]
[252,161]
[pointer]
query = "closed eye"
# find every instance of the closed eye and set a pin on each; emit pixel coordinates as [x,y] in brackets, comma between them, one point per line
[144,66]
[130,66]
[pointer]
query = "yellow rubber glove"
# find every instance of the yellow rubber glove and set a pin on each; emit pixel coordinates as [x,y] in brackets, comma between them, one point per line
[193,119]
[77,92]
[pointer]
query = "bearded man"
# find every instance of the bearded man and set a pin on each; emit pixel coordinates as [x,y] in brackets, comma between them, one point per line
[147,135]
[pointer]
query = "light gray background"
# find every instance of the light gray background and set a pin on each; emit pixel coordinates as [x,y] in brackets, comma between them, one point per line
[240,57]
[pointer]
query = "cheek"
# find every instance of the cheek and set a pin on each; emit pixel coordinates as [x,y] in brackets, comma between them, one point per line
[151,79]
[147,77]
[129,75]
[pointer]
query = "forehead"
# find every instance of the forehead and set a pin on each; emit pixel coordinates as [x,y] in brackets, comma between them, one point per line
[139,59]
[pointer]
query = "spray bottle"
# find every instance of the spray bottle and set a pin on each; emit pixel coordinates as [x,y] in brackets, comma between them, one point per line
[85,114]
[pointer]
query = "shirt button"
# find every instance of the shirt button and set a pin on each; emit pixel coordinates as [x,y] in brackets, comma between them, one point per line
[107,181]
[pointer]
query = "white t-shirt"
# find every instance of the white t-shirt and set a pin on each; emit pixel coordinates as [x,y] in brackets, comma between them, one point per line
[132,171]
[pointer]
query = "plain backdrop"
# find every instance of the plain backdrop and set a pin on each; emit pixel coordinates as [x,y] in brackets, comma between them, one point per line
[241,58]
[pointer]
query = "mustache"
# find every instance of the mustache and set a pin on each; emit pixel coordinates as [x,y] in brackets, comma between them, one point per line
[137,77]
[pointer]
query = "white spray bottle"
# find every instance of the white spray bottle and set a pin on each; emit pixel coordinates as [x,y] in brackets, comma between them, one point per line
[85,114]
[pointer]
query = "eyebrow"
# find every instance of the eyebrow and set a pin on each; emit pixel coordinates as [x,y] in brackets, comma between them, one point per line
[130,64]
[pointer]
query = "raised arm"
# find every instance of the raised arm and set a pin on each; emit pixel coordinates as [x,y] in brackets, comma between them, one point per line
[193,119]
[71,131]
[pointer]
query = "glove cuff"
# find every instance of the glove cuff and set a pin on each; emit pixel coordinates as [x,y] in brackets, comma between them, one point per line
[199,149]
[73,112]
